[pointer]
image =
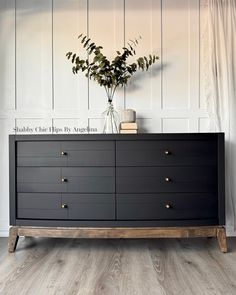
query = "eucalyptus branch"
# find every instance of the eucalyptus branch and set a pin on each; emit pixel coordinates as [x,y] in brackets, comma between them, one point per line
[113,92]
[106,90]
[109,74]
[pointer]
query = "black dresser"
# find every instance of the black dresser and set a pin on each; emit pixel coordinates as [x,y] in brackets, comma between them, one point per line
[117,182]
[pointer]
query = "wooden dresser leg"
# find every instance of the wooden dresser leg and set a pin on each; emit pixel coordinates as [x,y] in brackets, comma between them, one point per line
[13,239]
[221,236]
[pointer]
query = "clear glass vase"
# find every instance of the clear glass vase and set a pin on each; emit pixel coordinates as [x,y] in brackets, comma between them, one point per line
[111,119]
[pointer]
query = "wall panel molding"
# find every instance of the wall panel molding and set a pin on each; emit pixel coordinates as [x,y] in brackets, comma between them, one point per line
[105,28]
[143,18]
[180,27]
[7,54]
[69,20]
[33,54]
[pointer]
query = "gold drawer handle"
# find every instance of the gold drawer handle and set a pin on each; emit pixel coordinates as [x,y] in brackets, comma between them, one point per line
[64,206]
[167,179]
[167,152]
[64,153]
[168,206]
[64,180]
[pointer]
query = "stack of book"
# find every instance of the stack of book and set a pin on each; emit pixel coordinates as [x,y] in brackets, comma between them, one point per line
[128,128]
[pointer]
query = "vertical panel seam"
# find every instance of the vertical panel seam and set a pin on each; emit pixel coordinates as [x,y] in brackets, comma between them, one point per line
[15,61]
[199,56]
[115,180]
[88,6]
[162,103]
[53,124]
[189,56]
[53,92]
[124,16]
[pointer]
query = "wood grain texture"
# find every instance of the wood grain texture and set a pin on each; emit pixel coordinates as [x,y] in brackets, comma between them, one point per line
[221,236]
[117,267]
[117,233]
[13,238]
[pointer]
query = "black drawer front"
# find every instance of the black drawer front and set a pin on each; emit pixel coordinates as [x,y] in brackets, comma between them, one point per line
[90,145]
[38,149]
[66,206]
[89,180]
[90,158]
[73,179]
[45,153]
[166,153]
[40,206]
[80,153]
[166,179]
[39,179]
[90,206]
[166,206]
[89,153]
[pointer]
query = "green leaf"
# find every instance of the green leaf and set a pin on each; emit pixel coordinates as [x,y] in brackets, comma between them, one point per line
[147,63]
[91,49]
[86,43]
[92,44]
[73,58]
[69,54]
[82,41]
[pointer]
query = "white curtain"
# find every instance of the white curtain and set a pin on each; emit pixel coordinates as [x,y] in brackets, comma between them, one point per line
[219,67]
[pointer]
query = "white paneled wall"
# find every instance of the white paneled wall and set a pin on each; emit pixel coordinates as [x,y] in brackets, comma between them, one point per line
[33,55]
[38,90]
[144,92]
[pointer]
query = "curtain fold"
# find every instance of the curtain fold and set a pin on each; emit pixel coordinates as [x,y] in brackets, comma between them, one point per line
[219,66]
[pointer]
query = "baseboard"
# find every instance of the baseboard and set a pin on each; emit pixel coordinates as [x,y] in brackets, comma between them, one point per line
[230,231]
[4,233]
[4,228]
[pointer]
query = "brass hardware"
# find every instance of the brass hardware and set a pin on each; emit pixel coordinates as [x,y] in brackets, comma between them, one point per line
[64,206]
[168,206]
[167,179]
[64,153]
[63,180]
[167,152]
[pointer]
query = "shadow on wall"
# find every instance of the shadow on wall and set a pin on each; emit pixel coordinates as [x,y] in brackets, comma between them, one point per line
[156,70]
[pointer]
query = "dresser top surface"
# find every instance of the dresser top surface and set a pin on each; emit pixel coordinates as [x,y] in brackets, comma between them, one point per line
[139,136]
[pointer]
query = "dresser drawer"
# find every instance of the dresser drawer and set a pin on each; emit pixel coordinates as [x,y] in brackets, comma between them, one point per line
[71,179]
[40,153]
[66,206]
[78,153]
[89,153]
[166,206]
[89,179]
[39,179]
[39,206]
[166,179]
[166,153]
[90,206]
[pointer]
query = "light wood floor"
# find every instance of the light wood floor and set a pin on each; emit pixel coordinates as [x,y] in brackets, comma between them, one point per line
[110,267]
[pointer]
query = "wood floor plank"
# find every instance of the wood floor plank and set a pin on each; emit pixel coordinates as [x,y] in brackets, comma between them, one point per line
[117,267]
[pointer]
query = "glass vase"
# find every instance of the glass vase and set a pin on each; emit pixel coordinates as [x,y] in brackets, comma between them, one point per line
[111,119]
